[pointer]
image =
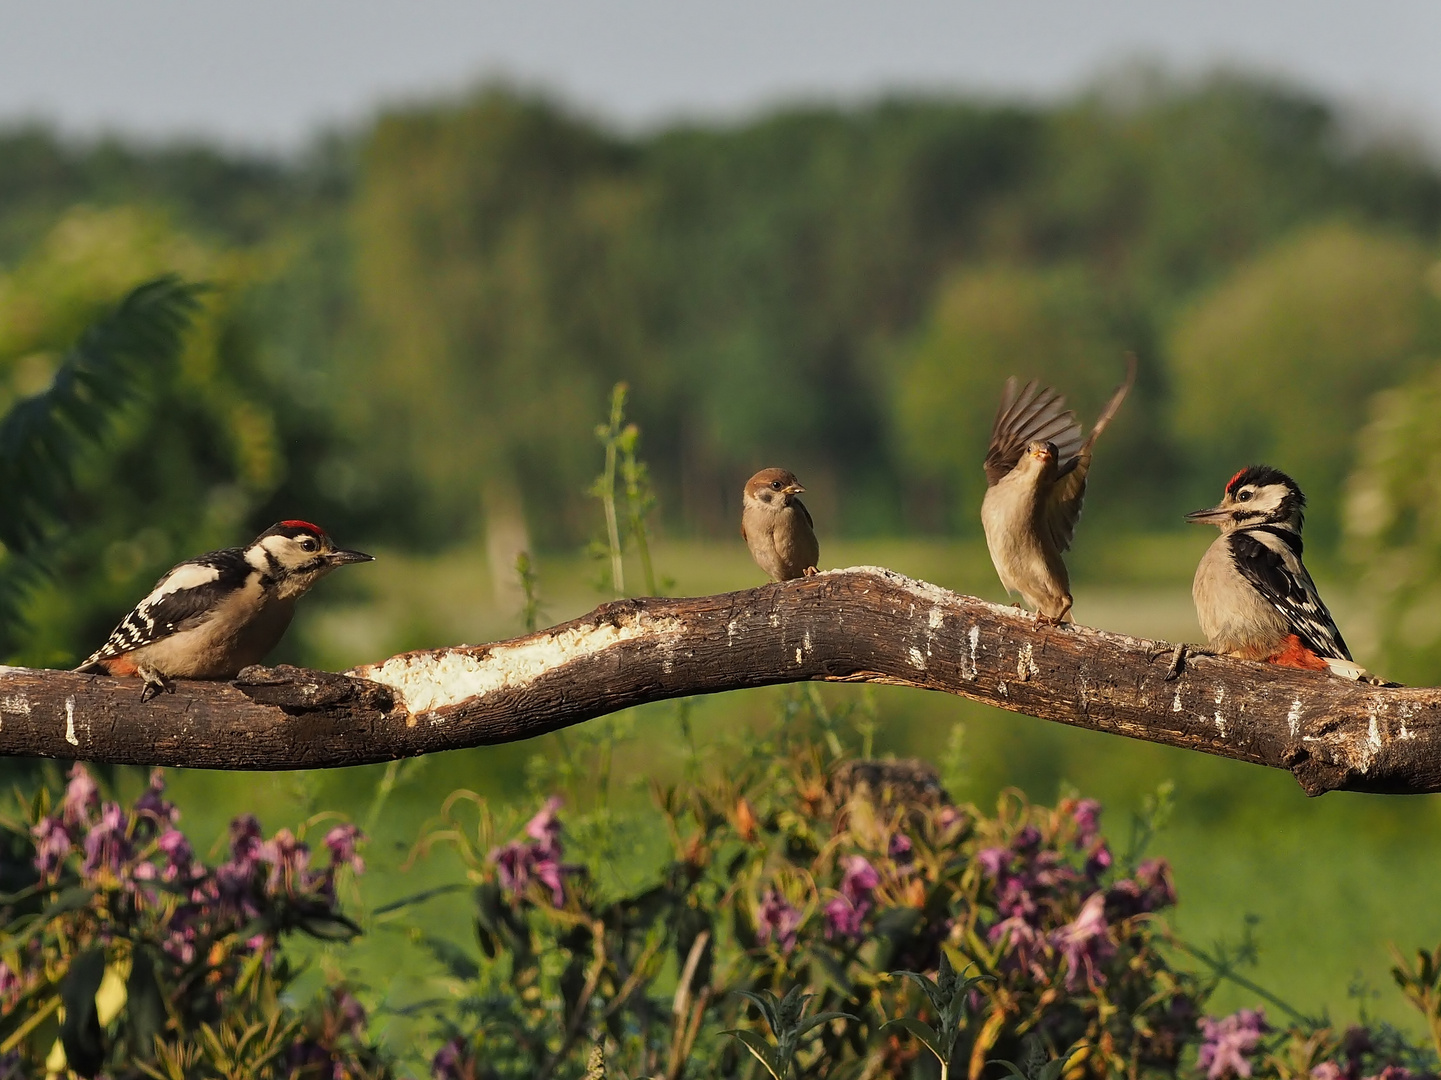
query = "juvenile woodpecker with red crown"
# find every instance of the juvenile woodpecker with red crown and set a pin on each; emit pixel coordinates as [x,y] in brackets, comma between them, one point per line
[1036,469]
[1254,597]
[213,615]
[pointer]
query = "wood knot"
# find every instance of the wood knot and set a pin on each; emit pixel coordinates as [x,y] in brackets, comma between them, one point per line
[1315,776]
[299,690]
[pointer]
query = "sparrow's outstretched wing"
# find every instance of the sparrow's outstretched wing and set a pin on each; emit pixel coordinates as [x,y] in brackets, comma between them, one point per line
[1032,413]
[1063,505]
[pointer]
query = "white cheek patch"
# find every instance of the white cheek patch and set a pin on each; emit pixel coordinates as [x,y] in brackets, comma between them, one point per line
[1267,499]
[190,576]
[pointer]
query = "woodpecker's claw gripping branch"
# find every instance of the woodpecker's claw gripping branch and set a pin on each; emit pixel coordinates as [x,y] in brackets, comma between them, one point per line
[859,625]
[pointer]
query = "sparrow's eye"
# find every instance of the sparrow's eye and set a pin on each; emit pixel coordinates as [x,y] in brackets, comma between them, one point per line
[308,544]
[1244,496]
[776,484]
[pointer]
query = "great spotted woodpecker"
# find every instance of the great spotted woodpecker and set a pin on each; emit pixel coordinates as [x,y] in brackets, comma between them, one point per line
[210,616]
[1036,470]
[777,527]
[1254,598]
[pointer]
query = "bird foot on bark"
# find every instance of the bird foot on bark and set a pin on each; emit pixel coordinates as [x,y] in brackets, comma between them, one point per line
[1178,658]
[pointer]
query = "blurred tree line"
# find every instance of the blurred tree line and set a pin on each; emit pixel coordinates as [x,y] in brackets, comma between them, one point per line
[412,330]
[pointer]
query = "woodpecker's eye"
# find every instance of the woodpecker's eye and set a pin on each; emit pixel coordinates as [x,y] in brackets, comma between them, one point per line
[776,484]
[308,544]
[1244,496]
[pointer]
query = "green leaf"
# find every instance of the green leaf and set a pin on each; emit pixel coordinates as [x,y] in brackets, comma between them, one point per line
[927,1035]
[81,1035]
[1010,1067]
[144,1003]
[75,898]
[933,992]
[416,898]
[818,1019]
[452,958]
[767,1005]
[331,926]
[760,1048]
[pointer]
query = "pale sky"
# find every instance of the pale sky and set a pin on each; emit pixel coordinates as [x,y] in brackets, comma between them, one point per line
[270,73]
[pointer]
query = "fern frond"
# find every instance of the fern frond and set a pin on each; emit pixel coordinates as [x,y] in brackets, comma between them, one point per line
[44,438]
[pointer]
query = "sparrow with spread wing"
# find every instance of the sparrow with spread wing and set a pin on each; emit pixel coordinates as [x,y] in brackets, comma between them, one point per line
[1036,470]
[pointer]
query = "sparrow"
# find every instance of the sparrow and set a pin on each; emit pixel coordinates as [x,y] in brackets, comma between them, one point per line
[1036,469]
[777,527]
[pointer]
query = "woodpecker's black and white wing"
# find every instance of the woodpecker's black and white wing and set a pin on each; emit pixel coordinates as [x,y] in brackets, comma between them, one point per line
[1063,505]
[186,596]
[1269,557]
[1030,413]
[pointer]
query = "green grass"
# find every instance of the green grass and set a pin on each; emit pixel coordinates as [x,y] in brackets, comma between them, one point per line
[1334,881]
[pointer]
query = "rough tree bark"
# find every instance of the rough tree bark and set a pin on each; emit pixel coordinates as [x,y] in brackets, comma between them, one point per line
[859,625]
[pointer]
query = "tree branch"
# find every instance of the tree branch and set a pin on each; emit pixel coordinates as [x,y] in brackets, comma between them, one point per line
[859,625]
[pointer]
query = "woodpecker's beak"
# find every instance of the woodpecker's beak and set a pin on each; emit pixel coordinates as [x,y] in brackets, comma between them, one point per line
[341,557]
[1214,515]
[792,489]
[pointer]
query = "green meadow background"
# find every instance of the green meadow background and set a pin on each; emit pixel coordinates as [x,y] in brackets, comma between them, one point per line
[413,329]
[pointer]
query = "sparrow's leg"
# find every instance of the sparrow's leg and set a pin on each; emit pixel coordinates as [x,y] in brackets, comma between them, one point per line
[810,571]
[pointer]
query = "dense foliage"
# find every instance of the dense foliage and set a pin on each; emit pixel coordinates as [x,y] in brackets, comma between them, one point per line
[817,915]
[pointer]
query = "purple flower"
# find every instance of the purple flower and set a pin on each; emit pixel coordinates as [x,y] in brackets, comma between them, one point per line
[341,842]
[1154,878]
[10,982]
[545,826]
[1085,943]
[350,1011]
[847,912]
[520,862]
[777,921]
[1327,1070]
[899,849]
[1024,945]
[1014,899]
[947,818]
[52,844]
[152,810]
[235,879]
[452,1061]
[859,879]
[81,798]
[179,858]
[1226,1044]
[1393,1072]
[1098,861]
[993,860]
[1087,816]
[106,846]
[1028,839]
[289,859]
[11,1067]
[844,918]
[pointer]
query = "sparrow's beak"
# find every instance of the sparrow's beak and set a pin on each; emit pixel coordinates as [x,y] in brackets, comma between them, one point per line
[341,557]
[792,489]
[1214,515]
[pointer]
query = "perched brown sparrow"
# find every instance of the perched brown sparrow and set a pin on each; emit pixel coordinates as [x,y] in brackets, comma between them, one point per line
[1036,471]
[777,527]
